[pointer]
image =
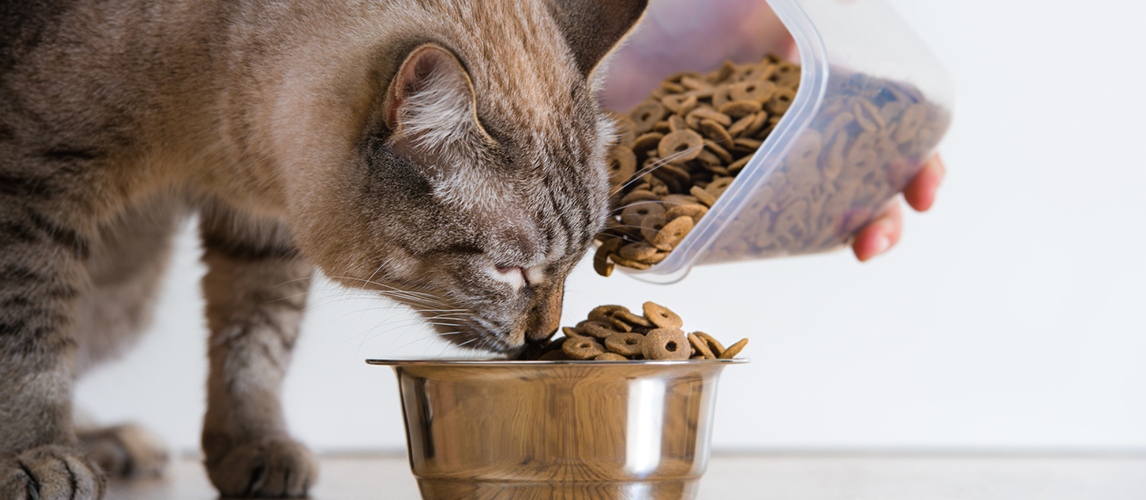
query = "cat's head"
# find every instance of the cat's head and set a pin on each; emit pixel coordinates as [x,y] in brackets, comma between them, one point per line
[479,179]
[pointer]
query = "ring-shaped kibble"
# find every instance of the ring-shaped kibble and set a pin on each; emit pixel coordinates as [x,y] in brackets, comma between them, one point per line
[705,198]
[709,114]
[719,151]
[666,344]
[740,109]
[695,82]
[864,119]
[690,104]
[632,264]
[834,160]
[610,356]
[873,112]
[714,345]
[632,319]
[739,126]
[700,346]
[714,131]
[721,94]
[734,349]
[674,172]
[661,316]
[673,233]
[633,215]
[676,200]
[618,325]
[600,313]
[739,164]
[718,185]
[646,142]
[676,123]
[557,355]
[647,114]
[806,151]
[749,145]
[780,102]
[672,87]
[672,102]
[636,251]
[655,258]
[910,123]
[595,329]
[693,210]
[622,165]
[625,344]
[651,225]
[582,348]
[680,146]
[637,196]
[669,180]
[600,259]
[759,120]
[759,91]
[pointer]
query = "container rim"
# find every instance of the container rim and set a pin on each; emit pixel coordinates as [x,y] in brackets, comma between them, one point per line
[505,363]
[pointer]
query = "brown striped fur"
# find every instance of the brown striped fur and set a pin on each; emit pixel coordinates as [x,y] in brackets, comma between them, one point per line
[448,154]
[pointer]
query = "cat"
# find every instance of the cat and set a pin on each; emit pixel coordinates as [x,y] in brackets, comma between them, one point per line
[448,154]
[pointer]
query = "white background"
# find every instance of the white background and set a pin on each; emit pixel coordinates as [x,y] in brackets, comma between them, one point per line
[1008,318]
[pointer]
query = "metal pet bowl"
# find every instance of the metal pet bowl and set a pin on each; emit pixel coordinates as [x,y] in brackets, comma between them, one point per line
[558,429]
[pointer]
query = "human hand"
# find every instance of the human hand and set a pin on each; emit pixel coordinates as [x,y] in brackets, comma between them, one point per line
[883,232]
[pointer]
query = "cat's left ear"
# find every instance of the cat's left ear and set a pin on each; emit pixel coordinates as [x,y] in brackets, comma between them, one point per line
[592,28]
[431,99]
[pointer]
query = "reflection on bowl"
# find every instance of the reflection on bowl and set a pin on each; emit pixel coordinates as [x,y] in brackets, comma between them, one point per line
[558,429]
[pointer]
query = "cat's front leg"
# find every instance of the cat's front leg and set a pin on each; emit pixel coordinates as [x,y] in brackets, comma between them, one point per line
[255,287]
[42,277]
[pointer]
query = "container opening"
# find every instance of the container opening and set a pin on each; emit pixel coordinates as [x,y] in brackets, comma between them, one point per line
[685,35]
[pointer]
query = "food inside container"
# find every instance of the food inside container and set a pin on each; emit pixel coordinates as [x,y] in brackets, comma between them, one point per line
[869,107]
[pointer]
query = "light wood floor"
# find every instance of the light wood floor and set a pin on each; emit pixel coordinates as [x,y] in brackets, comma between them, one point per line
[761,477]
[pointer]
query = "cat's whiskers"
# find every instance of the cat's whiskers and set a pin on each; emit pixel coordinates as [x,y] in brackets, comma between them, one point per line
[649,169]
[645,202]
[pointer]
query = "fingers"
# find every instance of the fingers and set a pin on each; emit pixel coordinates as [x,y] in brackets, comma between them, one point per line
[920,193]
[880,235]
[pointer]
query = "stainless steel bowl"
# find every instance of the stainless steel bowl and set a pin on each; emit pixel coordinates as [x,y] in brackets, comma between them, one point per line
[558,429]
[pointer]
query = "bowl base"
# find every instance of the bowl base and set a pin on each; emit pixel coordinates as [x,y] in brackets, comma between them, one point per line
[434,489]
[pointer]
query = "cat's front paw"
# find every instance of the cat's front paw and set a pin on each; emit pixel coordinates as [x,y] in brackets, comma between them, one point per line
[277,467]
[51,472]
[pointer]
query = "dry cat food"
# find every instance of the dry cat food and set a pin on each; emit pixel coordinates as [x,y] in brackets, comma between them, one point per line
[682,148]
[614,333]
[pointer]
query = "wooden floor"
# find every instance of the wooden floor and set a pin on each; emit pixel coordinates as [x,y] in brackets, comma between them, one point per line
[779,477]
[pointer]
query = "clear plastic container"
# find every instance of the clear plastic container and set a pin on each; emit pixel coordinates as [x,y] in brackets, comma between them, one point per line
[823,173]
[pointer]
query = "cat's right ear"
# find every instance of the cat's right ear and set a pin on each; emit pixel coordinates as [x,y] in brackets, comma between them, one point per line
[430,103]
[593,28]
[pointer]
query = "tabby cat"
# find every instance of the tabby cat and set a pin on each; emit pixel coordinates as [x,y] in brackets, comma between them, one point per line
[448,154]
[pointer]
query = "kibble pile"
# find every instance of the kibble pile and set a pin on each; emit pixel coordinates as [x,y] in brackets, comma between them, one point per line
[682,148]
[614,333]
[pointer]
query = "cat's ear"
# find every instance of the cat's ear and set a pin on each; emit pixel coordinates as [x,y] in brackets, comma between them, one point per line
[592,28]
[430,101]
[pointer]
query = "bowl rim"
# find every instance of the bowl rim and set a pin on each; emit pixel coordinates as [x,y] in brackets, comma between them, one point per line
[509,363]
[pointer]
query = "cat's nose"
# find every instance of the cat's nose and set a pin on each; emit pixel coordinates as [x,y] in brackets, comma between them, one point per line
[545,315]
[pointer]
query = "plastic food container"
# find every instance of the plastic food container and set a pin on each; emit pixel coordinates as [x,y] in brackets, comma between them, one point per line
[872,105]
[592,430]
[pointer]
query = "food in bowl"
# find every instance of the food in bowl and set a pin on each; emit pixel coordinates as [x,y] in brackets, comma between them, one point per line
[614,333]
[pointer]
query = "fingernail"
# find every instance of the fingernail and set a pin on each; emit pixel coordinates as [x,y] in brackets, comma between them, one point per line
[882,243]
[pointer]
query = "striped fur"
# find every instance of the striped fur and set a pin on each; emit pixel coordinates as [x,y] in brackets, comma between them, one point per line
[466,185]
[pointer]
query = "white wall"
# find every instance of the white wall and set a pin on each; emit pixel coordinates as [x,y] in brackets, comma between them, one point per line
[1008,318]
